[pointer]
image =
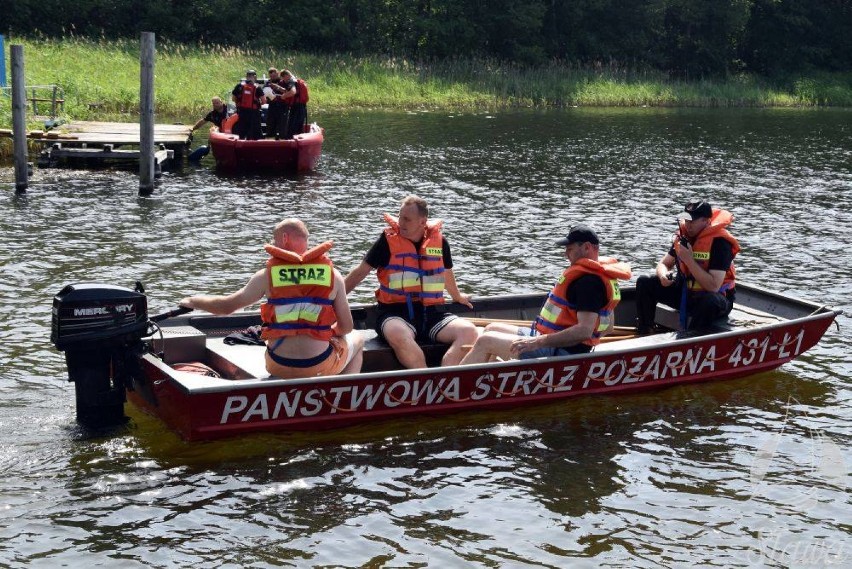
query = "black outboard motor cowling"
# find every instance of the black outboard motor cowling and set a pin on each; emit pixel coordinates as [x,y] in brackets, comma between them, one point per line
[100,329]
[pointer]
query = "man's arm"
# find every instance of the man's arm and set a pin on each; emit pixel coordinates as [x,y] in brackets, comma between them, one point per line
[287,94]
[453,289]
[579,332]
[344,323]
[357,275]
[664,268]
[200,122]
[253,291]
[709,281]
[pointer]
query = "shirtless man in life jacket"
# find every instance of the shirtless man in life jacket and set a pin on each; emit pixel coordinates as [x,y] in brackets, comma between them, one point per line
[307,323]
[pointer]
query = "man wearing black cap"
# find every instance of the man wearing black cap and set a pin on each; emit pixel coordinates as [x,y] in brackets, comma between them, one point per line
[248,96]
[577,313]
[703,253]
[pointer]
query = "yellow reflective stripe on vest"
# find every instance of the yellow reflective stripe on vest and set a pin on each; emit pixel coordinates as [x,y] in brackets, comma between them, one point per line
[616,292]
[293,312]
[433,283]
[550,312]
[294,275]
[403,279]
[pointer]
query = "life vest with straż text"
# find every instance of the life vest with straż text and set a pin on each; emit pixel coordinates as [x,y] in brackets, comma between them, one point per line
[412,275]
[719,221]
[299,293]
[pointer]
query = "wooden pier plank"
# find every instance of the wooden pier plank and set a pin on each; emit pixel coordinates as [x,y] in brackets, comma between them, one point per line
[98,133]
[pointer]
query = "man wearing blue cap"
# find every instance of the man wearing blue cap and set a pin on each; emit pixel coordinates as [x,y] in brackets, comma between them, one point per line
[696,275]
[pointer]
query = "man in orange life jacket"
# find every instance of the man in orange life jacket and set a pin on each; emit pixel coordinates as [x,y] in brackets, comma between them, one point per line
[277,111]
[414,267]
[248,96]
[577,313]
[298,110]
[307,323]
[703,285]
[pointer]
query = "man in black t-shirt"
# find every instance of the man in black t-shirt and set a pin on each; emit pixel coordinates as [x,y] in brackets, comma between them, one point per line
[702,287]
[248,96]
[411,284]
[567,327]
[298,111]
[278,108]
[216,116]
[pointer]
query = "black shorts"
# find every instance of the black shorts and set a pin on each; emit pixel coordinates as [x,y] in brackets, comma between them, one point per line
[426,324]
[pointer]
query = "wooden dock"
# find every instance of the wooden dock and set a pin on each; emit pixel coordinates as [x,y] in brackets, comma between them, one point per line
[87,140]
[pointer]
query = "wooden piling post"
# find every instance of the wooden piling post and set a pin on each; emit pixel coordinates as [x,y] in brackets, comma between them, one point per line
[19,118]
[146,114]
[2,60]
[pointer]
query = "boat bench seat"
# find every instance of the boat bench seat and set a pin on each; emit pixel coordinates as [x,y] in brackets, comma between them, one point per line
[240,361]
[379,356]
[740,317]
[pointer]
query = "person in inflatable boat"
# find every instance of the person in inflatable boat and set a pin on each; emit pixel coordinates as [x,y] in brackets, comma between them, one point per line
[307,324]
[578,312]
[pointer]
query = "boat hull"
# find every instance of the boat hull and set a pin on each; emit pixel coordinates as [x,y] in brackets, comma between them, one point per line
[300,154]
[201,408]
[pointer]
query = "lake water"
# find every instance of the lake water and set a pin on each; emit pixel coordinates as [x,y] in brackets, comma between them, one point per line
[749,472]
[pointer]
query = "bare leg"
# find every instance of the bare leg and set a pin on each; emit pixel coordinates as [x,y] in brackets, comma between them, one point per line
[491,343]
[457,333]
[357,347]
[400,336]
[501,327]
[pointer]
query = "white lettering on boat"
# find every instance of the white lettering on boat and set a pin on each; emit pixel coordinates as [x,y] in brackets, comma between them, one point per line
[639,368]
[347,398]
[495,384]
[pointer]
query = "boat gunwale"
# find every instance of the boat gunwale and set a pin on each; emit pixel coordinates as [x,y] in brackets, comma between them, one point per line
[229,385]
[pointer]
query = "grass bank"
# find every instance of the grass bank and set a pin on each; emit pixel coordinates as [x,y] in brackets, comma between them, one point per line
[100,80]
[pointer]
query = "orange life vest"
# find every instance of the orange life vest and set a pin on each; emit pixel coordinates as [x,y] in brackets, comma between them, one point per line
[302,96]
[719,220]
[248,96]
[228,123]
[299,293]
[558,314]
[412,275]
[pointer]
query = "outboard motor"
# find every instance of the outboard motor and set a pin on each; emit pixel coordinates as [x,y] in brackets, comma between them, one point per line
[100,329]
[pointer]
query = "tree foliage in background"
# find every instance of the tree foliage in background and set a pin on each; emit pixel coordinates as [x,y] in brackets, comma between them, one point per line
[691,38]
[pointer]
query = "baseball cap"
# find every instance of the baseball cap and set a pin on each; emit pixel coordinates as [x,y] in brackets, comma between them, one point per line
[579,234]
[696,210]
[251,72]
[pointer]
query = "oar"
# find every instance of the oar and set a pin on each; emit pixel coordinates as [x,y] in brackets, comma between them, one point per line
[170,314]
[487,321]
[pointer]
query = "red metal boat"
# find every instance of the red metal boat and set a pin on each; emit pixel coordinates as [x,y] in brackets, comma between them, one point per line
[300,154]
[103,331]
